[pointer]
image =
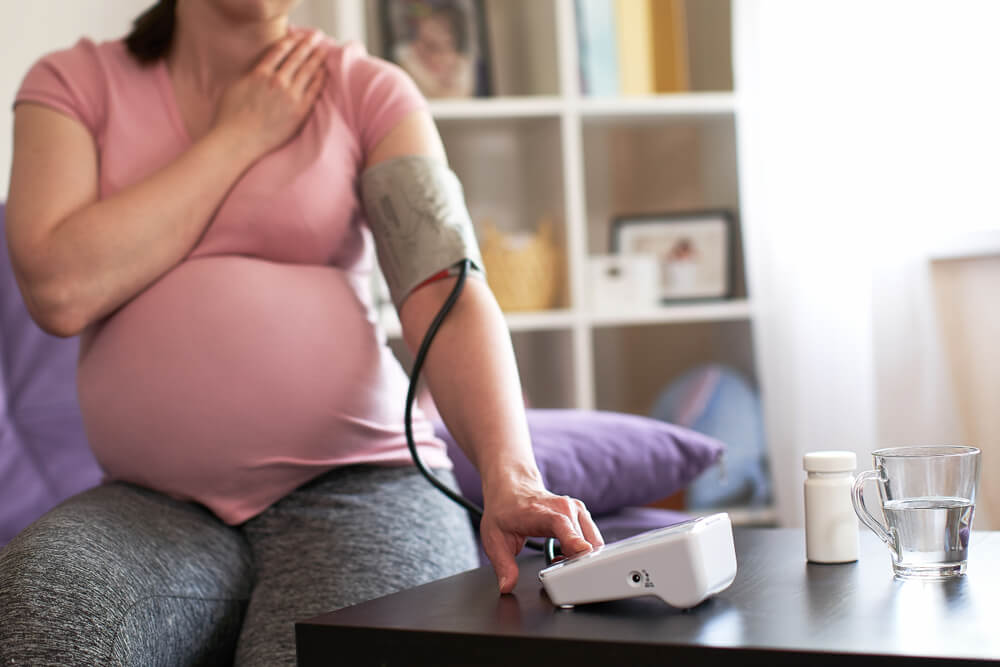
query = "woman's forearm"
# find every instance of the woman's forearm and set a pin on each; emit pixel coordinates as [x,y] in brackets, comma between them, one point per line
[472,375]
[99,257]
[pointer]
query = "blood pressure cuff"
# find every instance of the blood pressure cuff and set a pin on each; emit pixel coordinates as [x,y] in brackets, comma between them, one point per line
[416,210]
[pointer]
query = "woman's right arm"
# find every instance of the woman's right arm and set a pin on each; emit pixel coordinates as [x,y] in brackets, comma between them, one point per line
[77,258]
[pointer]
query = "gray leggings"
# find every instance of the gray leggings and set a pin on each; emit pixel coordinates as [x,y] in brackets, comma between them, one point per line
[120,575]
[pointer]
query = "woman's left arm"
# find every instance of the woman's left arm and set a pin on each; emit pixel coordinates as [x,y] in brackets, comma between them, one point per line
[472,375]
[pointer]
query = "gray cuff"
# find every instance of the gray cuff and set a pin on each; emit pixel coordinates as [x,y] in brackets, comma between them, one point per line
[416,210]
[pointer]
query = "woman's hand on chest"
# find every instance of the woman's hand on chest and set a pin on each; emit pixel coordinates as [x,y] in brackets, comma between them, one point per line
[268,104]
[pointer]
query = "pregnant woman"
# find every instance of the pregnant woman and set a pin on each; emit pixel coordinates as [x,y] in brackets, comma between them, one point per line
[188,200]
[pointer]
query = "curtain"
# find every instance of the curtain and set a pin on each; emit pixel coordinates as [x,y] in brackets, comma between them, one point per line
[867,132]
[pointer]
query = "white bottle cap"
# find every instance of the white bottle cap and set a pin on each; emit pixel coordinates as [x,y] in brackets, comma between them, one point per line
[830,461]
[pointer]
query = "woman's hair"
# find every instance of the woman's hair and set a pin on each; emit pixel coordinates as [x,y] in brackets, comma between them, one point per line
[152,32]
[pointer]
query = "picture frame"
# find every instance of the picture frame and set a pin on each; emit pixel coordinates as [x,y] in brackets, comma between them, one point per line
[693,250]
[441,44]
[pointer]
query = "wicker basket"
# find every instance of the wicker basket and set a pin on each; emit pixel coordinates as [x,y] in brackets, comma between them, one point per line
[523,269]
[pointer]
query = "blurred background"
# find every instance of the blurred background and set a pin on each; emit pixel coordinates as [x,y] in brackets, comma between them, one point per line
[815,183]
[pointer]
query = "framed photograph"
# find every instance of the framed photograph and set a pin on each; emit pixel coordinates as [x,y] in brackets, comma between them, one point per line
[440,43]
[692,250]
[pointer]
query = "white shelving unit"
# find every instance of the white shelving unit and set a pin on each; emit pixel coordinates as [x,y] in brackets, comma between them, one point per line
[542,320]
[542,149]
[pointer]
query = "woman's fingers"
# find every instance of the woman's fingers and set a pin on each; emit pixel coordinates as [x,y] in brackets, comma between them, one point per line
[276,54]
[590,531]
[309,71]
[501,549]
[295,59]
[564,527]
[314,87]
[574,527]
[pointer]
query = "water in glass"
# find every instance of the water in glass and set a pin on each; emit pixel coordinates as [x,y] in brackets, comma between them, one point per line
[932,533]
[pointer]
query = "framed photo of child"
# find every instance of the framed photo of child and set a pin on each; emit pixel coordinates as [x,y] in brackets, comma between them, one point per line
[440,43]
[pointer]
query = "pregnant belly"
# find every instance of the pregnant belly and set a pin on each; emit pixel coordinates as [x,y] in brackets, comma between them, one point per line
[233,362]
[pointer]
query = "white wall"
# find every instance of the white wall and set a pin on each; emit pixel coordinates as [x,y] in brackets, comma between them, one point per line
[31,29]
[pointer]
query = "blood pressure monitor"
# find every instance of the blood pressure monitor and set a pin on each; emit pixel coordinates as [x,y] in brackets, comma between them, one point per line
[683,565]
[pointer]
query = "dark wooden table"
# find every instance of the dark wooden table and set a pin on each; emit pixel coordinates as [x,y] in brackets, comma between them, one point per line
[779,611]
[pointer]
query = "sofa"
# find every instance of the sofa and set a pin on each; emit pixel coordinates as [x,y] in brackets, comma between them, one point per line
[44,456]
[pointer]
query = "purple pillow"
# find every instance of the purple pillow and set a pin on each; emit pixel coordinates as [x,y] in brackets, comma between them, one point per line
[44,456]
[606,459]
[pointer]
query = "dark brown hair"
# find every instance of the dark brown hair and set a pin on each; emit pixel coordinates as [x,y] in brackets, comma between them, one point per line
[152,32]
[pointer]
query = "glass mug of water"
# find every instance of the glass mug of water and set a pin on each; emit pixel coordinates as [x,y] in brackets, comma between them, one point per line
[928,496]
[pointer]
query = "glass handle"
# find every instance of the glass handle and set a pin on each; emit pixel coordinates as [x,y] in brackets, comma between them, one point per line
[858,498]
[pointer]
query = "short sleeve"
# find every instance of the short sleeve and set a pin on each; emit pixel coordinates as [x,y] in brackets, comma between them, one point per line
[69,81]
[380,94]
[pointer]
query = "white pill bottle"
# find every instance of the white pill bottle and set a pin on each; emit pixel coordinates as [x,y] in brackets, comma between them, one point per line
[831,524]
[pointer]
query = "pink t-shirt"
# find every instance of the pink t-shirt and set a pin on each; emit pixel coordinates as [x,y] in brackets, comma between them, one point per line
[256,363]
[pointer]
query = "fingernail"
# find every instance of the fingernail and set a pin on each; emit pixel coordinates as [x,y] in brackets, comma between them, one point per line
[503,583]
